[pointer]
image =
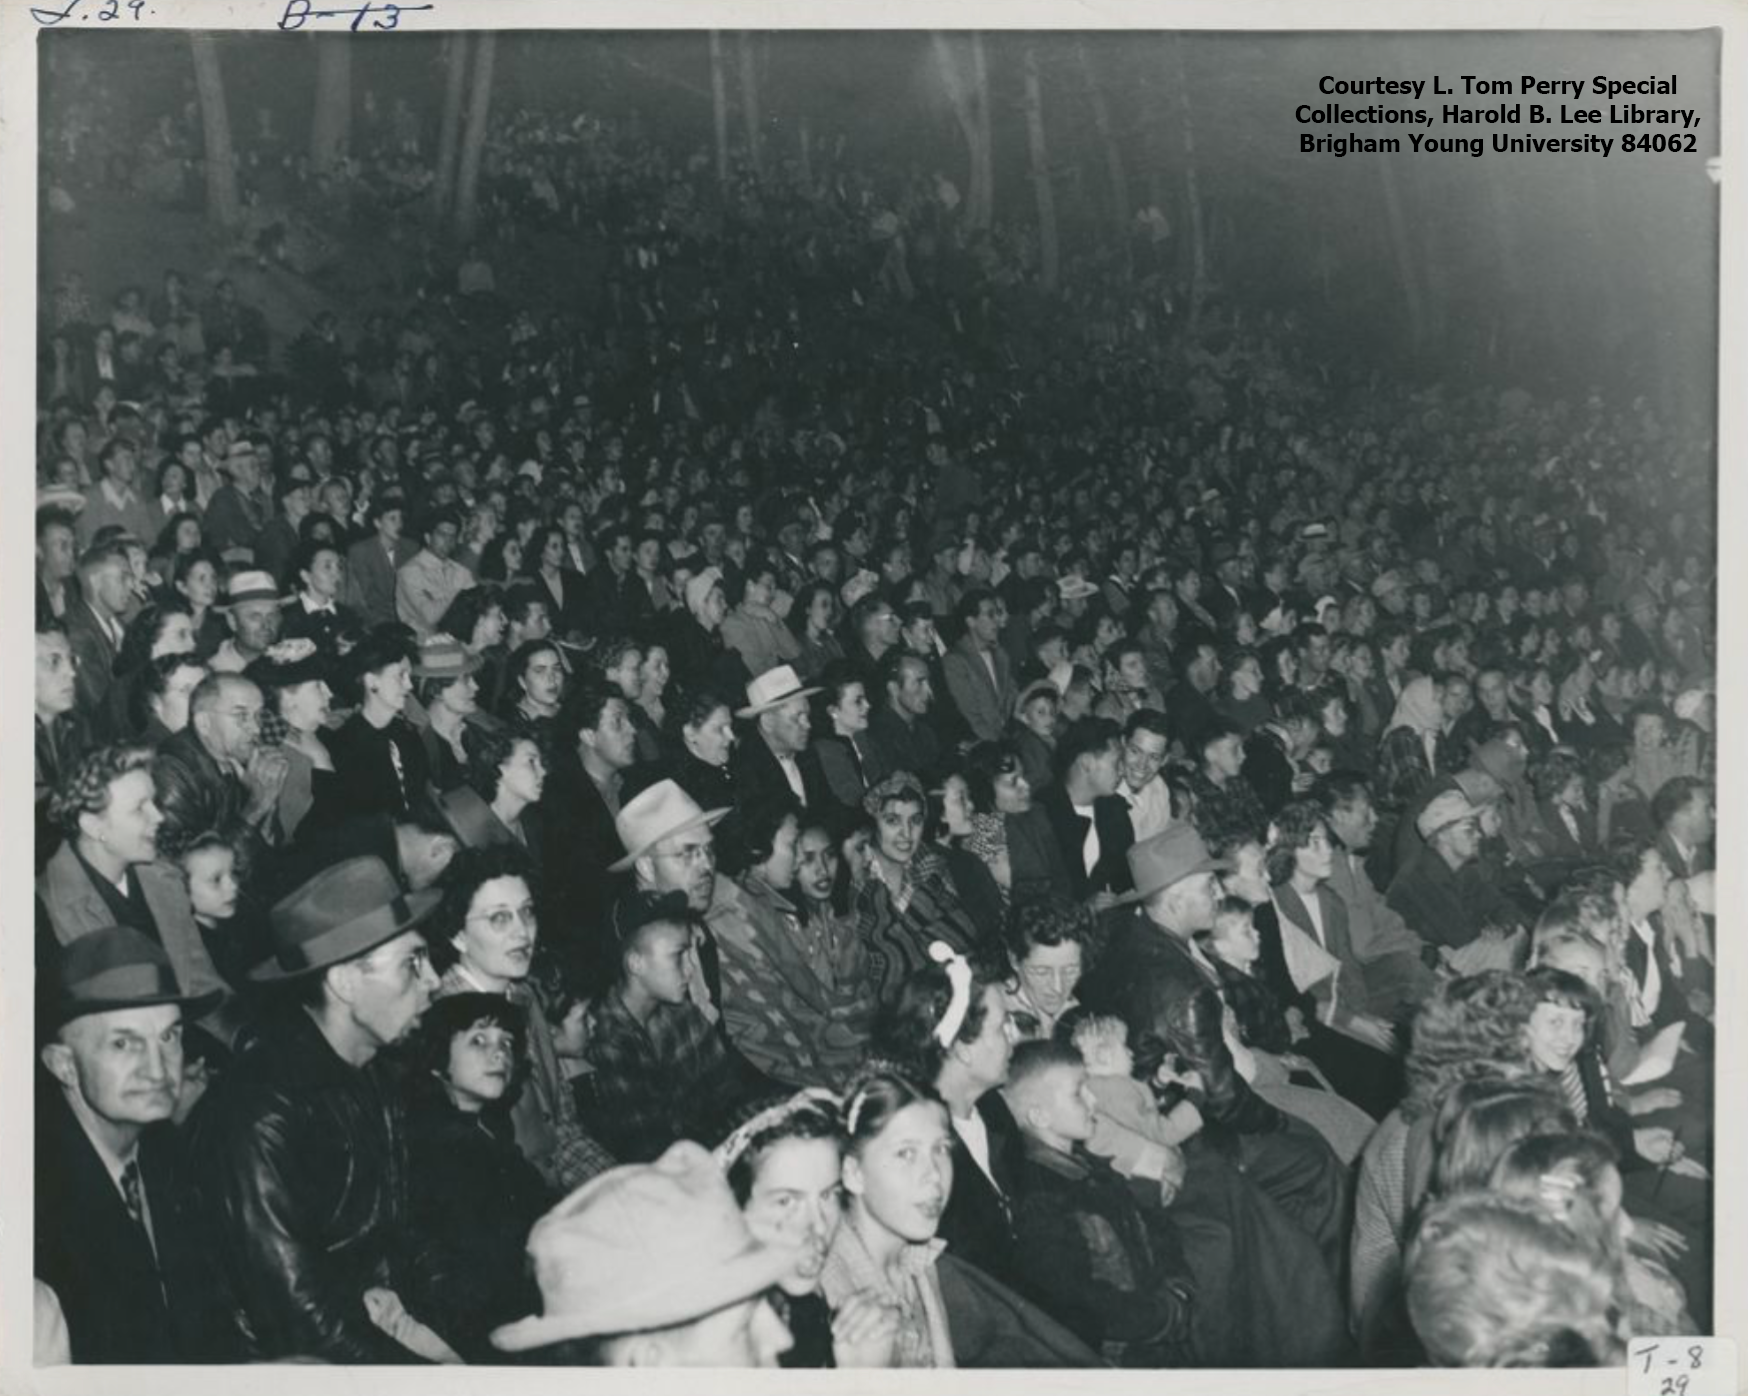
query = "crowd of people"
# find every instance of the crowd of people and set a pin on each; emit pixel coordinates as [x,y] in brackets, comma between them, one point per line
[845,811]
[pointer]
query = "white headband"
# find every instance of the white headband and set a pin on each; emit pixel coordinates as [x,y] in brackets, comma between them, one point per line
[959,976]
[736,1144]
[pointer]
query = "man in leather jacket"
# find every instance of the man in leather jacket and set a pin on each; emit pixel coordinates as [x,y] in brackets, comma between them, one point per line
[1154,976]
[300,1150]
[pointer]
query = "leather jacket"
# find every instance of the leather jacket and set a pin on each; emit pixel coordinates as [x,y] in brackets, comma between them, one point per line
[1149,980]
[301,1165]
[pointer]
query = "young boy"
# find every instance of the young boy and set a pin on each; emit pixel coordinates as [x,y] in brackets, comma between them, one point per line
[1131,1131]
[1103,1261]
[661,1069]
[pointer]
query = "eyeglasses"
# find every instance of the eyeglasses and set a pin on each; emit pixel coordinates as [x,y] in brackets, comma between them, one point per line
[692,854]
[503,918]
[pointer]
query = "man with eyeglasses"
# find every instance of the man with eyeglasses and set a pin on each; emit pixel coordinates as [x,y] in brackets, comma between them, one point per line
[300,1149]
[214,773]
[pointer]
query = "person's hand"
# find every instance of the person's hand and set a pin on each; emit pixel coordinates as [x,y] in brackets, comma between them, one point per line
[1657,1144]
[1649,1102]
[265,777]
[864,1331]
[1103,901]
[1373,1031]
[1297,1031]
[1659,1239]
[1689,1168]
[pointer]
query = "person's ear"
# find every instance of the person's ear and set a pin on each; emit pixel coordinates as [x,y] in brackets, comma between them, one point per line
[854,1183]
[57,1059]
[342,981]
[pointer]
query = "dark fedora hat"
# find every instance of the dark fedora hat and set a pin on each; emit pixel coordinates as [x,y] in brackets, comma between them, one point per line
[116,968]
[341,913]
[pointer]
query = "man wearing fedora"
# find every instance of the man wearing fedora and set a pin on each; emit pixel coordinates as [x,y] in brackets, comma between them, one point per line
[652,1265]
[252,608]
[300,1149]
[115,1236]
[1155,977]
[774,764]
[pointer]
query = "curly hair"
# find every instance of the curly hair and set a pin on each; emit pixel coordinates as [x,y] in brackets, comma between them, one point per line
[1549,776]
[85,789]
[469,608]
[448,1017]
[470,870]
[1492,1282]
[1467,1028]
[904,1031]
[790,1117]
[1291,830]
[488,750]
[1047,921]
[144,630]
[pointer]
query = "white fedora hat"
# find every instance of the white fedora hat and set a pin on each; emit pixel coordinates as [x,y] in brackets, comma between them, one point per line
[655,814]
[772,688]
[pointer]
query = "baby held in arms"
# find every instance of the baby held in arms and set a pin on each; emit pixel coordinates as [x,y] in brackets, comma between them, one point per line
[1133,1130]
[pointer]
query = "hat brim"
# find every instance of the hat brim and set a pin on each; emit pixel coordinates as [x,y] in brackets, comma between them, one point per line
[192,1005]
[701,820]
[1141,894]
[420,905]
[704,1290]
[470,665]
[234,601]
[776,702]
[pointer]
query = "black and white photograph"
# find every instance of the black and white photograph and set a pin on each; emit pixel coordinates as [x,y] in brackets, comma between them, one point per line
[749,697]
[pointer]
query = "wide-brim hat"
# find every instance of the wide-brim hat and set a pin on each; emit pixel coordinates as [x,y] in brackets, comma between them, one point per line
[342,912]
[772,689]
[60,497]
[116,968]
[290,663]
[1166,859]
[251,584]
[643,1246]
[444,657]
[658,813]
[1076,589]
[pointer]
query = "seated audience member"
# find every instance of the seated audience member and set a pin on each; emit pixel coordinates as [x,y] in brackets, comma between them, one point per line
[474,1196]
[300,1149]
[661,1071]
[784,1162]
[898,1170]
[770,764]
[117,1237]
[652,1265]
[1109,1267]
[1090,819]
[484,939]
[378,758]
[1494,1283]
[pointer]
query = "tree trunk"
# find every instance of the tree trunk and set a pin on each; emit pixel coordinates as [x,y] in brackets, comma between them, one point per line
[449,138]
[970,102]
[331,126]
[719,104]
[1192,191]
[1115,175]
[1048,254]
[479,110]
[749,104]
[222,204]
[1404,252]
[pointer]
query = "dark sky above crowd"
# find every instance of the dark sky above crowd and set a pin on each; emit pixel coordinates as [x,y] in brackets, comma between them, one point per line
[1609,264]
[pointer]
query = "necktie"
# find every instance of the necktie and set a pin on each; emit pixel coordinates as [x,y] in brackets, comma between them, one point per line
[133,1194]
[1572,1086]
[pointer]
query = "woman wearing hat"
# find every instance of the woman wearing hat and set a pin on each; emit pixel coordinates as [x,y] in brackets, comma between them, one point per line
[293,678]
[382,764]
[444,683]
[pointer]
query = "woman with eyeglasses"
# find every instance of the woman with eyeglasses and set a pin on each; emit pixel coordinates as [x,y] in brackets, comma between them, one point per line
[483,940]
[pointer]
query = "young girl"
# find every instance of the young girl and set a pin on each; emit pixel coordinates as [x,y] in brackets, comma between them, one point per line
[784,1163]
[898,1173]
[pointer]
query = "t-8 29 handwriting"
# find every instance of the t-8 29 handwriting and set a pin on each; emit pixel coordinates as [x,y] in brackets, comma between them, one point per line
[103,13]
